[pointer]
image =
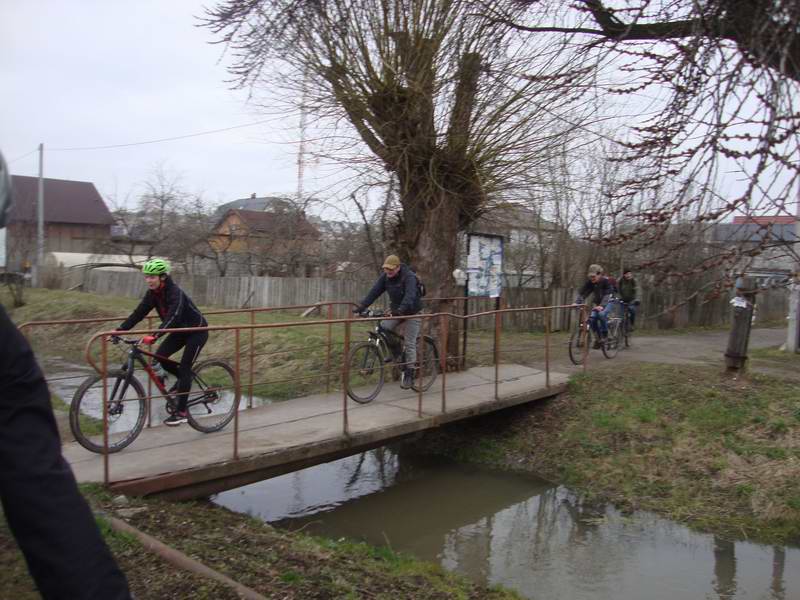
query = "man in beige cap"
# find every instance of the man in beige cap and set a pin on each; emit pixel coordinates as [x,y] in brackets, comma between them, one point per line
[597,291]
[400,282]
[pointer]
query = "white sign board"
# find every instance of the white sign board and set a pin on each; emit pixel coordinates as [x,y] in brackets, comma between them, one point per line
[485,265]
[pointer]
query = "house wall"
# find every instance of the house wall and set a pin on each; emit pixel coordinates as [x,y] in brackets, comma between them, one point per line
[59,237]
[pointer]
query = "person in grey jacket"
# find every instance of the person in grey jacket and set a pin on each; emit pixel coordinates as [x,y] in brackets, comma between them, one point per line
[400,283]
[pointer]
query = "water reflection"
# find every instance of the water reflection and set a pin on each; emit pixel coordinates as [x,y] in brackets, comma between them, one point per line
[517,531]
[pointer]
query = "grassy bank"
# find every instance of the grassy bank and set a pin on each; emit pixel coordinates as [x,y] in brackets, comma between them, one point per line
[719,454]
[276,564]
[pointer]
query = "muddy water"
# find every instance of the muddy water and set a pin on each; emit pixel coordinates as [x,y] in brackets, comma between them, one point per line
[518,531]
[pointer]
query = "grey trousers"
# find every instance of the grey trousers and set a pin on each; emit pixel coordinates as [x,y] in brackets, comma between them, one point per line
[410,332]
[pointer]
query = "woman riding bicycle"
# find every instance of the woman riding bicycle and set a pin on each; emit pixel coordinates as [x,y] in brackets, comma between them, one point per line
[176,310]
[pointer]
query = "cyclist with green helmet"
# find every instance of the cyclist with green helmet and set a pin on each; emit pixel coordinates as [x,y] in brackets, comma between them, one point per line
[176,310]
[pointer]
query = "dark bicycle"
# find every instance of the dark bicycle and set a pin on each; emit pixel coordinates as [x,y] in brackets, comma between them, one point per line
[583,337]
[626,326]
[367,361]
[213,400]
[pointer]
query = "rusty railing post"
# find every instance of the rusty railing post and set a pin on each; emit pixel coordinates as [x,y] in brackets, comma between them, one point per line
[548,314]
[150,383]
[239,390]
[328,355]
[345,374]
[421,361]
[104,374]
[252,358]
[465,325]
[498,324]
[587,328]
[443,328]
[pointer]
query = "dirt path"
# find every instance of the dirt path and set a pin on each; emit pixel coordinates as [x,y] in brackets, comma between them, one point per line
[676,349]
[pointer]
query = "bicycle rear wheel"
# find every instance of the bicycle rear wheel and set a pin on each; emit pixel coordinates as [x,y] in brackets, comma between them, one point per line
[127,409]
[578,342]
[613,339]
[214,397]
[429,369]
[365,373]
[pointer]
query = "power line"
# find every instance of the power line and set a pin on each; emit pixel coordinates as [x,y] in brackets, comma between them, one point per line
[23,156]
[169,139]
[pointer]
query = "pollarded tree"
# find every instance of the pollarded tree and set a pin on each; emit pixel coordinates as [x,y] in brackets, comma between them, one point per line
[446,102]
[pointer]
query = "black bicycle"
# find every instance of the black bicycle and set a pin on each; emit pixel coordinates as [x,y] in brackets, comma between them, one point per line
[626,326]
[368,360]
[213,400]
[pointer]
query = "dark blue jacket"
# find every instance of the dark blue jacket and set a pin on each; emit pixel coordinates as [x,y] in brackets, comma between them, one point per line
[600,291]
[174,308]
[402,289]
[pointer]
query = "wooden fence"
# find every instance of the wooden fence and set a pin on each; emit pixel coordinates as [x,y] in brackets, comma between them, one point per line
[660,308]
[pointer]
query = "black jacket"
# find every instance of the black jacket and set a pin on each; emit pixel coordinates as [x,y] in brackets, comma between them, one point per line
[174,308]
[402,289]
[51,521]
[627,289]
[599,291]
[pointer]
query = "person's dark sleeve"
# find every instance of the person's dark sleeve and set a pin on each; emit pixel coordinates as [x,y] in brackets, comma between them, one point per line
[176,301]
[139,313]
[585,290]
[51,521]
[410,295]
[375,292]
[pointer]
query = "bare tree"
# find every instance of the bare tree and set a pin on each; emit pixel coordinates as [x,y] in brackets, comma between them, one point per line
[433,95]
[721,80]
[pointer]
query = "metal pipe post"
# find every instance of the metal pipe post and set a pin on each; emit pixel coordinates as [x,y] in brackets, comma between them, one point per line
[345,375]
[443,328]
[547,347]
[239,393]
[328,355]
[104,375]
[498,324]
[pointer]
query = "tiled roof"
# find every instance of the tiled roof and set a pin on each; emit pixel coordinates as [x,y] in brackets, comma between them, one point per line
[765,220]
[292,223]
[64,201]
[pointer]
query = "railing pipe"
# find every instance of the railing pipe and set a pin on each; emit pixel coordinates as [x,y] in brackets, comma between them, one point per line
[345,375]
[252,359]
[443,329]
[498,324]
[237,392]
[547,325]
[104,375]
[328,351]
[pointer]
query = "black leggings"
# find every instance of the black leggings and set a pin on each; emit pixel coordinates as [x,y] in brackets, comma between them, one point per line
[192,343]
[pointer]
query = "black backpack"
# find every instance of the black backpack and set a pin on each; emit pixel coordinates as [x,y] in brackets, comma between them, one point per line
[421,289]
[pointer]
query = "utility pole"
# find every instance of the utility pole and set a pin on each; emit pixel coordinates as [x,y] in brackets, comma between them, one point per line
[39,262]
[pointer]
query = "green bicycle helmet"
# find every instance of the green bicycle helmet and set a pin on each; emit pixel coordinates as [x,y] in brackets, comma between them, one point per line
[156,266]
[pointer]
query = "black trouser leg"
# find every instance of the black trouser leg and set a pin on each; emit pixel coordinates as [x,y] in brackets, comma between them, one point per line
[192,343]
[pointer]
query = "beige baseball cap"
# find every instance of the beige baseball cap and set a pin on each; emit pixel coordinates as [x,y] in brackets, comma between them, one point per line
[391,262]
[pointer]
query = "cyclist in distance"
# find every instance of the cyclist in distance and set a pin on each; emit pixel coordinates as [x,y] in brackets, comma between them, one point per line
[400,282]
[176,310]
[627,292]
[598,291]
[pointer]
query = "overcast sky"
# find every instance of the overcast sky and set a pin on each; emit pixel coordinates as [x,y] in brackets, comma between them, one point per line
[87,73]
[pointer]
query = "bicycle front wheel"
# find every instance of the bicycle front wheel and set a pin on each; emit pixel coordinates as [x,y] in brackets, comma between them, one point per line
[365,374]
[214,397]
[613,339]
[428,368]
[127,409]
[578,341]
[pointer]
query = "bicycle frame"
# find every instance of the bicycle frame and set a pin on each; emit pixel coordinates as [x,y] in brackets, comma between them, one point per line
[136,355]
